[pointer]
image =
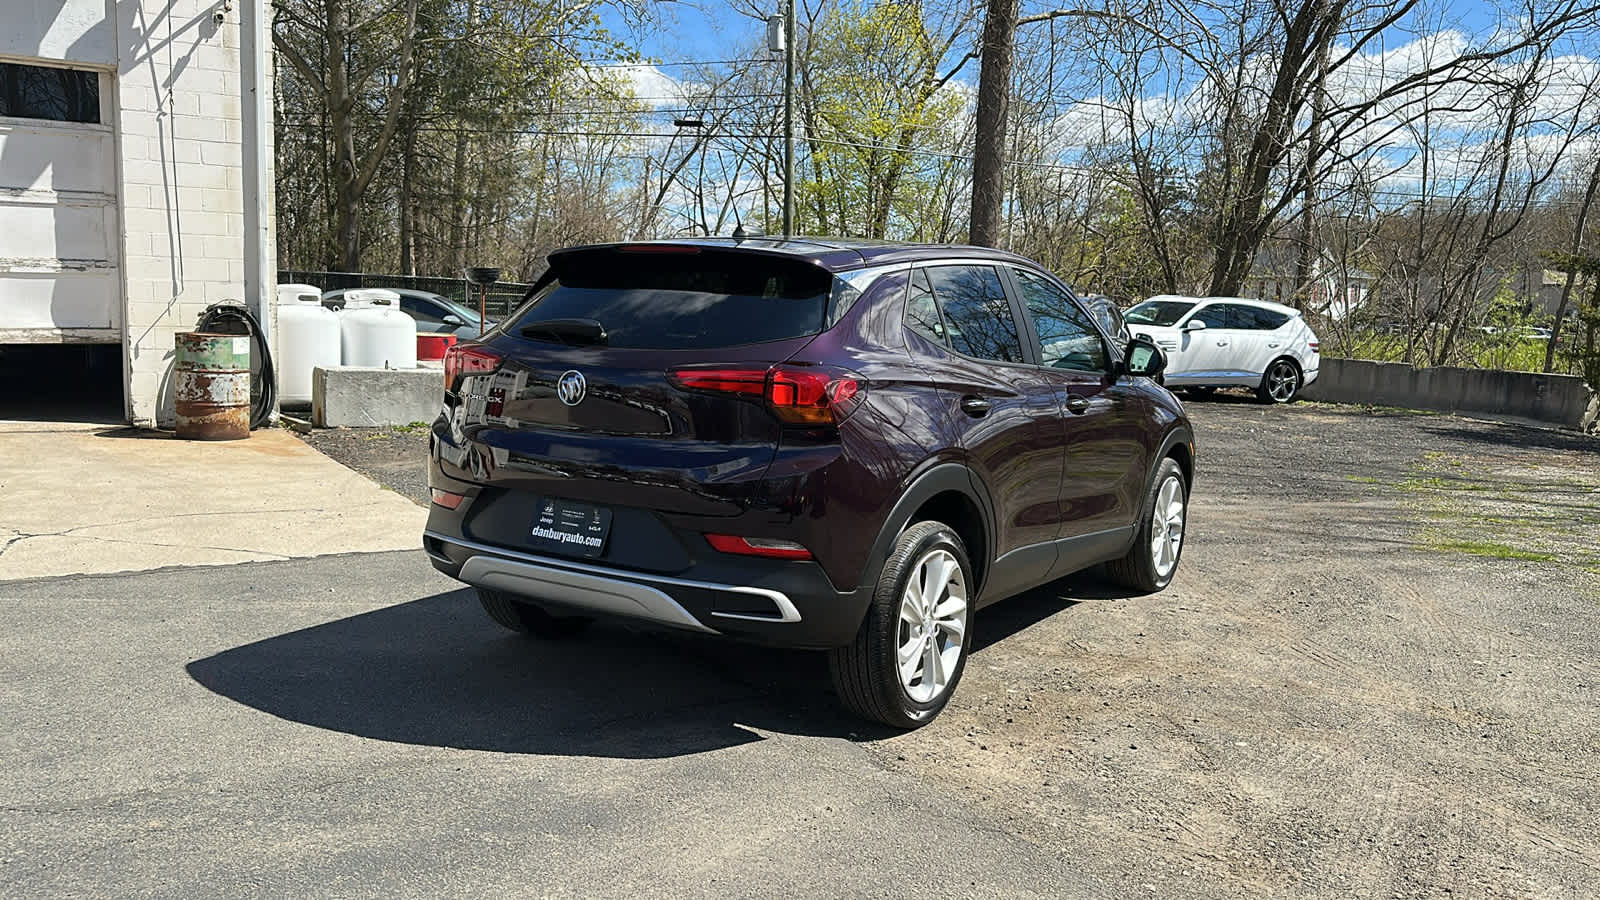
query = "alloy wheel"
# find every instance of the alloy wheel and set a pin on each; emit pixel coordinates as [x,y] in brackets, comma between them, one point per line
[933,625]
[1282,381]
[1166,526]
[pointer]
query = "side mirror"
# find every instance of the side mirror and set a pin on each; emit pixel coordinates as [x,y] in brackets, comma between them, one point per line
[452,319]
[1194,325]
[1145,358]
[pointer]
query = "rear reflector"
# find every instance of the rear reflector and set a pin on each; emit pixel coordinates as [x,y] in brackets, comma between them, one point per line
[447,499]
[796,395]
[468,359]
[748,546]
[728,381]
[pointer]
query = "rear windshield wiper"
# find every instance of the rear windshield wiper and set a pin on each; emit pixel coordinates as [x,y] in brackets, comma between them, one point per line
[566,331]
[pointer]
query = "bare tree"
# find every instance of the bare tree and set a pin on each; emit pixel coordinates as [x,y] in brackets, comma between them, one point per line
[330,44]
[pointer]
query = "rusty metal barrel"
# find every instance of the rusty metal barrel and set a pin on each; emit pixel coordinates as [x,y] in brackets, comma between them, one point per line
[212,379]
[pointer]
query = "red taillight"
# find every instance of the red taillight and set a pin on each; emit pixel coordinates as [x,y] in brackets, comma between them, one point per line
[447,499]
[468,359]
[727,381]
[800,396]
[1313,345]
[748,546]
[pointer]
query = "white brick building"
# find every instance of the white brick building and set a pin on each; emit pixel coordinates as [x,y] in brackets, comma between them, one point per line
[120,181]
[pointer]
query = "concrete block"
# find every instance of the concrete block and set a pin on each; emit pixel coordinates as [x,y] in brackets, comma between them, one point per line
[1557,399]
[361,397]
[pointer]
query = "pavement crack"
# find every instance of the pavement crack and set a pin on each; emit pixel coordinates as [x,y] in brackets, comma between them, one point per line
[17,538]
[274,556]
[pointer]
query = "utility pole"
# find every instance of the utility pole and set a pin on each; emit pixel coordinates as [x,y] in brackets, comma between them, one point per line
[989,144]
[788,118]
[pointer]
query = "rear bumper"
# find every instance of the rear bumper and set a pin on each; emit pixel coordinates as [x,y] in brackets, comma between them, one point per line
[793,605]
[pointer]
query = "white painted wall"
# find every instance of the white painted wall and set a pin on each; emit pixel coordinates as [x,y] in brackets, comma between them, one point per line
[151,202]
[182,201]
[68,30]
[60,242]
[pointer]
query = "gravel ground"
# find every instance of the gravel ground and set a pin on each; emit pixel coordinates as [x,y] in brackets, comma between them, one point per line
[396,458]
[1376,672]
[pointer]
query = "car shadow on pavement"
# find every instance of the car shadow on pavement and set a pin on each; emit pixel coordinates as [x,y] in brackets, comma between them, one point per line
[436,672]
[1000,621]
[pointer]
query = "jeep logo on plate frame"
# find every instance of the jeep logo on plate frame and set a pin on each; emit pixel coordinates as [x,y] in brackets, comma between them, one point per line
[571,387]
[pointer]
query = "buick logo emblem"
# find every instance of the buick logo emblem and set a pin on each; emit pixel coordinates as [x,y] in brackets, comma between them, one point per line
[571,387]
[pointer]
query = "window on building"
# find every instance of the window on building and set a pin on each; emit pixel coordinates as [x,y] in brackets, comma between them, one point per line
[46,92]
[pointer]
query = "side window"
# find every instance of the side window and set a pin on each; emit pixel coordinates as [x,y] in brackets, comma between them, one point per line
[1215,315]
[1268,320]
[922,314]
[977,316]
[1068,338]
[421,310]
[1242,317]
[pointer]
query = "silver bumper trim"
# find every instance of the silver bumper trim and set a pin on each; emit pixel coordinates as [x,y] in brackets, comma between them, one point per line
[620,598]
[605,581]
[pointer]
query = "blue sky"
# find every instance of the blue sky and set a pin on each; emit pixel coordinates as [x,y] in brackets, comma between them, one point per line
[713,29]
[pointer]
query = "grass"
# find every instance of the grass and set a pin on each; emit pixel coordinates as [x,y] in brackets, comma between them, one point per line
[1489,549]
[1438,483]
[413,428]
[1363,479]
[1502,351]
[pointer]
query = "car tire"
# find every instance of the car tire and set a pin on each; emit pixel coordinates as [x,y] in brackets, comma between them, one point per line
[527,617]
[1153,559]
[923,596]
[1281,382]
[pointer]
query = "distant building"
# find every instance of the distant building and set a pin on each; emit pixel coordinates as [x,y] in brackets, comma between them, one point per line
[1546,296]
[1335,290]
[120,179]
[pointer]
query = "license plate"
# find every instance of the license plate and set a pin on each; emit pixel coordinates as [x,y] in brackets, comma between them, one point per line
[572,529]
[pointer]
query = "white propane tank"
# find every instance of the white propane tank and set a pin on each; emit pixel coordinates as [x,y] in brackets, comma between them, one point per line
[289,294]
[358,298]
[379,335]
[308,337]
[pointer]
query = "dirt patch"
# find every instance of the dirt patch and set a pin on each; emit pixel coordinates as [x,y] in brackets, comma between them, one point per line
[1330,699]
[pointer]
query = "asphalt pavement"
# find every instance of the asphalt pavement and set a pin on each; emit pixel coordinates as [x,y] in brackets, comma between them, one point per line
[353,725]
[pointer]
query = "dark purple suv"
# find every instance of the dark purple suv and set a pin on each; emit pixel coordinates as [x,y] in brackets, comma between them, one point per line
[838,445]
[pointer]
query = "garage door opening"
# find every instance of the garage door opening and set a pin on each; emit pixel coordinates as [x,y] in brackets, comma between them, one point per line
[62,383]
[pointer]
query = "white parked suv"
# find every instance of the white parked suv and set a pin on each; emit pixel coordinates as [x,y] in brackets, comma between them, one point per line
[1214,342]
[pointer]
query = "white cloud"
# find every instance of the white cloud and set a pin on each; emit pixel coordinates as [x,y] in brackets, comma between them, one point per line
[653,86]
[1463,116]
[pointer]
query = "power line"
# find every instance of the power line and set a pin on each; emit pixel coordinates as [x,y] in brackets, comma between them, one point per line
[643,64]
[713,135]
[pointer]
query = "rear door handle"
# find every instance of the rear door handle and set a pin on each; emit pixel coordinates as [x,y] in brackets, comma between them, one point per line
[1222,343]
[976,407]
[1077,405]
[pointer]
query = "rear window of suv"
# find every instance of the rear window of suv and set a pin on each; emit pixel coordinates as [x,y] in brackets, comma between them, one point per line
[691,299]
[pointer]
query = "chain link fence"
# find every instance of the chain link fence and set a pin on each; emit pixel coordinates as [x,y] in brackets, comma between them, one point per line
[503,297]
